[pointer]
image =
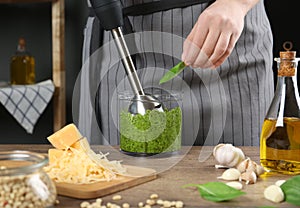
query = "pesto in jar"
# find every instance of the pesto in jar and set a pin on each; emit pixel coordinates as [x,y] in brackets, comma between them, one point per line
[152,133]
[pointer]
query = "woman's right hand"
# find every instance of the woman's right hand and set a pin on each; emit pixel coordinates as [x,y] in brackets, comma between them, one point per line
[215,33]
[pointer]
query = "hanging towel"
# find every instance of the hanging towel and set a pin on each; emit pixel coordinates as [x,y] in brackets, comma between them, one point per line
[26,103]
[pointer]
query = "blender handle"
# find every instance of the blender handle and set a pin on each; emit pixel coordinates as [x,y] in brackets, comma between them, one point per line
[109,13]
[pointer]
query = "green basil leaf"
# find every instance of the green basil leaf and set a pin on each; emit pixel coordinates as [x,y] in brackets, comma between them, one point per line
[217,191]
[291,190]
[173,72]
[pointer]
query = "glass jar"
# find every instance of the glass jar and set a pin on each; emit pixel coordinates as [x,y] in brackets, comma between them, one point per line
[154,132]
[280,136]
[23,183]
[22,66]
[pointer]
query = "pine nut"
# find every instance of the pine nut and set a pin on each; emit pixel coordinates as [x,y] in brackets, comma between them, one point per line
[126,205]
[117,197]
[153,196]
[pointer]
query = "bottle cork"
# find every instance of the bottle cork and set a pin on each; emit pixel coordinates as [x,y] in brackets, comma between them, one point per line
[287,66]
[22,44]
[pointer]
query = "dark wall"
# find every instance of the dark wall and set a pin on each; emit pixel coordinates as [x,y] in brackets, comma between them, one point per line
[33,22]
[284,19]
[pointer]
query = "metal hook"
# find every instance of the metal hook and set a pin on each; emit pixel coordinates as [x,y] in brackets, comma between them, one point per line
[288,45]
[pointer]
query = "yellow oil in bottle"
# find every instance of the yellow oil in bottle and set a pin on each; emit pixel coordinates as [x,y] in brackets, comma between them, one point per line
[22,66]
[280,146]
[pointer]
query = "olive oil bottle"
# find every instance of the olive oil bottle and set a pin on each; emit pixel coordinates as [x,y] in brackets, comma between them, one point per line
[280,135]
[22,66]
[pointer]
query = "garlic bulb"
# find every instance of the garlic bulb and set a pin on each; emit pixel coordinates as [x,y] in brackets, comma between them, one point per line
[227,155]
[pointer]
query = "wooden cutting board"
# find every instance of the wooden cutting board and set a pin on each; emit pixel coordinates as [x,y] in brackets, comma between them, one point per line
[136,176]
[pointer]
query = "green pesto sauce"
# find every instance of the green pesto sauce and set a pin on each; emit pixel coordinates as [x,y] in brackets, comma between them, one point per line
[154,132]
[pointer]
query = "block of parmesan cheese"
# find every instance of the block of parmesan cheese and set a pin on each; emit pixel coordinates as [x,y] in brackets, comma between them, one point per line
[54,155]
[65,137]
[82,144]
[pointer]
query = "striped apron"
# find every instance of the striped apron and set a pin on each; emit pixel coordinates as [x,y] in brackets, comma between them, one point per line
[243,85]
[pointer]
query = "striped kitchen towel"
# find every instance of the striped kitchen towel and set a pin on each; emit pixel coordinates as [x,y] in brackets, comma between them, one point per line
[26,103]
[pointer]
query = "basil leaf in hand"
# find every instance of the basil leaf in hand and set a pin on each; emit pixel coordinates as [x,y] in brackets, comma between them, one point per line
[217,191]
[291,190]
[173,72]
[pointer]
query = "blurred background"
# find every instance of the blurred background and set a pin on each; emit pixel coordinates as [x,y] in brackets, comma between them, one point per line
[33,22]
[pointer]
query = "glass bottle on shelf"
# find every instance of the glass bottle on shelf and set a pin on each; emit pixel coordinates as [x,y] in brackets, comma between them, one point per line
[280,136]
[22,66]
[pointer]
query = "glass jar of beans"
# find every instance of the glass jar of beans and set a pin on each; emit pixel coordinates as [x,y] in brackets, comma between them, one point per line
[23,183]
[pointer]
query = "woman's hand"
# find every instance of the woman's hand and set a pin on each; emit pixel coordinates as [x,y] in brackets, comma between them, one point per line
[215,33]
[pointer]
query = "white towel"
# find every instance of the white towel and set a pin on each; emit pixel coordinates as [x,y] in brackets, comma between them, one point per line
[26,103]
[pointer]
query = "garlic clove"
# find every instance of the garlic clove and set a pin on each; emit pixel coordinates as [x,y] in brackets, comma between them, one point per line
[274,193]
[242,166]
[259,170]
[230,174]
[279,182]
[235,184]
[248,176]
[251,166]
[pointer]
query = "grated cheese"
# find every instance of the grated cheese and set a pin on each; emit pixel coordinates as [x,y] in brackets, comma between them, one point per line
[79,166]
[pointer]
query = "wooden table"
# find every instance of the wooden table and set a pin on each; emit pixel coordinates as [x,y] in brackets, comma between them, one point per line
[168,183]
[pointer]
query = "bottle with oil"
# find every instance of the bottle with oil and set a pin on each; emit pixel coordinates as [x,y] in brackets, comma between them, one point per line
[280,136]
[22,66]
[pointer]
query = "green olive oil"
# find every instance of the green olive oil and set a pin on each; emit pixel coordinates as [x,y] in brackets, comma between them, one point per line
[22,66]
[280,146]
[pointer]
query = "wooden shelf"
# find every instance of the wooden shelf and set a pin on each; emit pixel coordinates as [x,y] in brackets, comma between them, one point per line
[58,58]
[58,62]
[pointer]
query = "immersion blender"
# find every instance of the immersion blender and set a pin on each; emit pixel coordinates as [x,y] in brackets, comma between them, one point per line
[109,13]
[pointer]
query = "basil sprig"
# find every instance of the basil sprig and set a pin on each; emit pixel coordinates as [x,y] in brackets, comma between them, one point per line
[291,190]
[173,72]
[216,191]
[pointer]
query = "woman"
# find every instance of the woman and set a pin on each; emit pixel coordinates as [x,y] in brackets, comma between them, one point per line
[233,37]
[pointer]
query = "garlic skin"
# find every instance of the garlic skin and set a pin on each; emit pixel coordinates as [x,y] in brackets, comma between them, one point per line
[242,166]
[249,165]
[248,176]
[227,155]
[259,170]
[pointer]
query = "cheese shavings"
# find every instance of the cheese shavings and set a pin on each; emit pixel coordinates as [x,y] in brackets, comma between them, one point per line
[77,166]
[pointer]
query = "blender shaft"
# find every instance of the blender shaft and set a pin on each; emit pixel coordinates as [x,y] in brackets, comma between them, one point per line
[127,61]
